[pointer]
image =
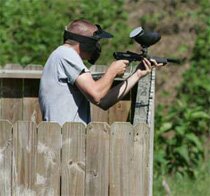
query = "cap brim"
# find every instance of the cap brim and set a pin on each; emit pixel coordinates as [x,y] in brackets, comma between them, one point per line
[105,35]
[102,34]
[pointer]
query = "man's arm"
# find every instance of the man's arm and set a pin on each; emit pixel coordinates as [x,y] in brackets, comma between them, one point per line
[96,90]
[120,90]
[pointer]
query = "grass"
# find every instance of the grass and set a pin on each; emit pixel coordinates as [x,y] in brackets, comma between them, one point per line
[184,186]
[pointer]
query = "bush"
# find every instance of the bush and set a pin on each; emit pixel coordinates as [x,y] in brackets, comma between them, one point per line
[30,30]
[181,132]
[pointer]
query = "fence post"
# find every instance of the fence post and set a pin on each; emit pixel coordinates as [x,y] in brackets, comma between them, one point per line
[144,112]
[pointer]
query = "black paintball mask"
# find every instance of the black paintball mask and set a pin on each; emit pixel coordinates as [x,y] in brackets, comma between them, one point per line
[89,44]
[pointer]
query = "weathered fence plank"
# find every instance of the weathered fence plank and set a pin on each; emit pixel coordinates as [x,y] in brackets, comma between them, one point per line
[11,99]
[5,158]
[120,112]
[144,112]
[0,96]
[24,159]
[73,159]
[142,100]
[48,159]
[121,159]
[97,159]
[31,109]
[98,114]
[141,159]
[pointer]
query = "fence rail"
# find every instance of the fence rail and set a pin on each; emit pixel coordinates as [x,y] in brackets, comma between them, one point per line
[93,160]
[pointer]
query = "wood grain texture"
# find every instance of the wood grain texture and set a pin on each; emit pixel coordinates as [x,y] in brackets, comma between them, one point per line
[24,158]
[17,71]
[98,114]
[142,100]
[5,158]
[12,93]
[97,159]
[121,159]
[141,160]
[48,159]
[31,107]
[1,98]
[120,112]
[73,159]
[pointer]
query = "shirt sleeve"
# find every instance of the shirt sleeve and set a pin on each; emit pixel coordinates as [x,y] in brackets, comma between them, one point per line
[71,66]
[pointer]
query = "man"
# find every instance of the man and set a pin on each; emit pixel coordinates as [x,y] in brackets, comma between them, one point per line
[67,86]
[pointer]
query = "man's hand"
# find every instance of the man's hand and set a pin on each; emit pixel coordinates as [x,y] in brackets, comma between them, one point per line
[146,66]
[118,68]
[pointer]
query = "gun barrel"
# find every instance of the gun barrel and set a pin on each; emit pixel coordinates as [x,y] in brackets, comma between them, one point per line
[172,60]
[131,56]
[165,60]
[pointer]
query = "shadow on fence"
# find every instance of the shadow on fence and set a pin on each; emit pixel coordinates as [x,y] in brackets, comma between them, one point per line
[75,159]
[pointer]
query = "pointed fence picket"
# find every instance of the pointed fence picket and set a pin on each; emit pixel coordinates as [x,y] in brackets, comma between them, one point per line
[75,159]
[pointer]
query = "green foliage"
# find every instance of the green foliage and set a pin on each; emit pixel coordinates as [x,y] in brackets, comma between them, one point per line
[31,29]
[28,31]
[185,186]
[181,132]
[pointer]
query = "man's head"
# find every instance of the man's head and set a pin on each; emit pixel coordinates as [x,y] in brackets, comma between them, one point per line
[81,27]
[87,35]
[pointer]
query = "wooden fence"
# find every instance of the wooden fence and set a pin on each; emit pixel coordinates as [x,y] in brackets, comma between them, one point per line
[110,156]
[92,160]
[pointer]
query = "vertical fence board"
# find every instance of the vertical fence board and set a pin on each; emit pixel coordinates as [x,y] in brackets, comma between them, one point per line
[98,114]
[120,111]
[142,100]
[12,99]
[5,158]
[73,159]
[141,160]
[31,109]
[48,159]
[121,159]
[0,97]
[11,92]
[97,159]
[24,148]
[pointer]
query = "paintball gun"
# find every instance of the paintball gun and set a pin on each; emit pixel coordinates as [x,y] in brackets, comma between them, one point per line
[145,39]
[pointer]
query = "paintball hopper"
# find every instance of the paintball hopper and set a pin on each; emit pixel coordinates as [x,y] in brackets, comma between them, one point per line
[144,38]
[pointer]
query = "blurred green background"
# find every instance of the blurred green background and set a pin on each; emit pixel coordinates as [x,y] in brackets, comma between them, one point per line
[31,29]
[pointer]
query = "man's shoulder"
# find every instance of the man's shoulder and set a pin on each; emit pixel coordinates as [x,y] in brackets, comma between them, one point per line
[65,50]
